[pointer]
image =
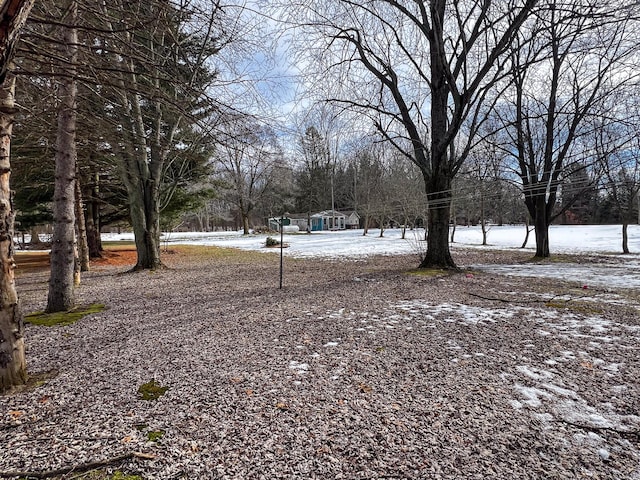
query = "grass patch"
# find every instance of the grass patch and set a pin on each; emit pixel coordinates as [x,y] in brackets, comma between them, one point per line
[155,435]
[203,252]
[118,475]
[575,307]
[118,244]
[151,391]
[63,318]
[428,272]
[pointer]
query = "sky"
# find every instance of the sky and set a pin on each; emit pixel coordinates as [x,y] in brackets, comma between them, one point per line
[617,272]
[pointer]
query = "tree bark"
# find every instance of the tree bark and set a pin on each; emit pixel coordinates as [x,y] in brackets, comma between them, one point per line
[438,254]
[245,223]
[93,221]
[483,220]
[541,225]
[625,237]
[35,237]
[63,246]
[13,367]
[526,236]
[83,244]
[145,219]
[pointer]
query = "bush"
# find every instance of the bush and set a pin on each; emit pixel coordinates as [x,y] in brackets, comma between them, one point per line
[272,242]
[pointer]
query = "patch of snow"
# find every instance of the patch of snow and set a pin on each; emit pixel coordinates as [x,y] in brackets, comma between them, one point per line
[298,367]
[534,373]
[531,395]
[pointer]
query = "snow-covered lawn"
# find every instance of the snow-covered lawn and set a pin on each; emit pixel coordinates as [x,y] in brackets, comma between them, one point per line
[352,243]
[613,271]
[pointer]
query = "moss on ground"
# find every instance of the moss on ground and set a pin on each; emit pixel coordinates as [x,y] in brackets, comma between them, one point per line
[118,475]
[63,318]
[155,435]
[429,272]
[151,390]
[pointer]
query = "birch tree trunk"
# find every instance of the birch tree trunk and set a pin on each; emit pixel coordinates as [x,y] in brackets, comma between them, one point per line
[63,249]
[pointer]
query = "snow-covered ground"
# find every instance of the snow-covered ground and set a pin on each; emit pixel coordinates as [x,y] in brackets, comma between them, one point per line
[620,272]
[352,243]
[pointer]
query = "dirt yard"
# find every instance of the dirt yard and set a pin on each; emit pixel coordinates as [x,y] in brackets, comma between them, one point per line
[354,370]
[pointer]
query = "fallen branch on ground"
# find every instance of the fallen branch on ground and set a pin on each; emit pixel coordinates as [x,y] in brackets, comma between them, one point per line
[79,468]
[595,429]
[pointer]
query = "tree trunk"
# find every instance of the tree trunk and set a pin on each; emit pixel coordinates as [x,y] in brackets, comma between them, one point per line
[541,226]
[245,223]
[13,366]
[141,171]
[83,245]
[528,231]
[63,247]
[438,253]
[454,219]
[93,221]
[35,238]
[145,219]
[625,237]
[483,222]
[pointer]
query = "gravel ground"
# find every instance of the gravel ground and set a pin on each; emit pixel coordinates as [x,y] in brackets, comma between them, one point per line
[354,370]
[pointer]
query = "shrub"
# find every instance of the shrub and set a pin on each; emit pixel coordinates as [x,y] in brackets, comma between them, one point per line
[272,242]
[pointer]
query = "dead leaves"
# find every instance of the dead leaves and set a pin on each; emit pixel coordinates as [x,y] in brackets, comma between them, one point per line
[364,388]
[587,365]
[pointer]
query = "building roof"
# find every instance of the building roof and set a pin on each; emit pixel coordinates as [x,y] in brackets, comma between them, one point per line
[329,213]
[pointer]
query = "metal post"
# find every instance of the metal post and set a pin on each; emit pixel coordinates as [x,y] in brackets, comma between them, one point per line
[281,247]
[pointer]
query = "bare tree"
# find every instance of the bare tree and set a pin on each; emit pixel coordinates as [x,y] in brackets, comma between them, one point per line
[369,165]
[421,71]
[559,83]
[13,367]
[618,150]
[247,158]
